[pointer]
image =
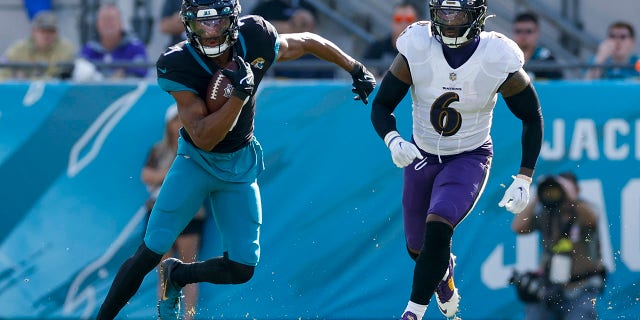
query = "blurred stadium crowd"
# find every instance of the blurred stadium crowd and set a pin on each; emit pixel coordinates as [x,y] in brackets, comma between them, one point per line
[574,31]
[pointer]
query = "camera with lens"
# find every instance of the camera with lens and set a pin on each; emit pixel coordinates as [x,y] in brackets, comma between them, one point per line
[551,192]
[530,286]
[534,287]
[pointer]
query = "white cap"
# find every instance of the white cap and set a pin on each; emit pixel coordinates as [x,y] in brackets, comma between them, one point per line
[171,113]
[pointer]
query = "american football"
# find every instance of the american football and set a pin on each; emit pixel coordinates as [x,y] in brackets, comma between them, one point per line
[220,88]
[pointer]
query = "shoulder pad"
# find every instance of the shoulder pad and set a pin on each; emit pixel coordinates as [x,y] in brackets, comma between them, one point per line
[173,55]
[502,54]
[253,23]
[415,39]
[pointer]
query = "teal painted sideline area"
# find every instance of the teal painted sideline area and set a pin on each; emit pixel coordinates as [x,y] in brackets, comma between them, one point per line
[332,240]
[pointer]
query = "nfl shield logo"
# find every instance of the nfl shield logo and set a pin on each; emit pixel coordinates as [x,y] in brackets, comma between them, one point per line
[228,90]
[453,76]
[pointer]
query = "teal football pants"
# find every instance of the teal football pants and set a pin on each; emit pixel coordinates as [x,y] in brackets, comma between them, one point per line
[236,209]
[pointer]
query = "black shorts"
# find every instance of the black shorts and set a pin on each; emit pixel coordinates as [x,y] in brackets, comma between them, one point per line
[195,226]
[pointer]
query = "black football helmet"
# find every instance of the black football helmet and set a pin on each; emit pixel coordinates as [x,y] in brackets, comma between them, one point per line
[211,25]
[456,22]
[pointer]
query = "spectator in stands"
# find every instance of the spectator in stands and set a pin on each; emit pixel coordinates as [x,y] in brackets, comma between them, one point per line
[616,49]
[303,20]
[170,22]
[281,12]
[115,45]
[45,46]
[187,244]
[404,14]
[526,31]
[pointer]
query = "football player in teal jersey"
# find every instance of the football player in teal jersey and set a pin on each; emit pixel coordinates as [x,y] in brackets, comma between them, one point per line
[218,156]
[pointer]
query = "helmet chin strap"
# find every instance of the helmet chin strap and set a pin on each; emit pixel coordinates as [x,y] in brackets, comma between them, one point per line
[216,51]
[454,42]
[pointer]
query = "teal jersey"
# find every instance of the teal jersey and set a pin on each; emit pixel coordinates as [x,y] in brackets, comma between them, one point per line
[183,68]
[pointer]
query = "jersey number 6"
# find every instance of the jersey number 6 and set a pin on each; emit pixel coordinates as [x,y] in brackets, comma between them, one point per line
[445,120]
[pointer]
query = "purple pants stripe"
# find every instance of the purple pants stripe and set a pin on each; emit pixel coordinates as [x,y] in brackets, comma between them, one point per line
[449,189]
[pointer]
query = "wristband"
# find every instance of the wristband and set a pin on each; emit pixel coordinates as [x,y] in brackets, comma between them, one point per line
[392,135]
[524,177]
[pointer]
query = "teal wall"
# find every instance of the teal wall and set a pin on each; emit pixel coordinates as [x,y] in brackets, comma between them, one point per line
[332,240]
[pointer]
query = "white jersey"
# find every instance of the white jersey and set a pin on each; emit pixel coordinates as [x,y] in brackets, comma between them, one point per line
[453,108]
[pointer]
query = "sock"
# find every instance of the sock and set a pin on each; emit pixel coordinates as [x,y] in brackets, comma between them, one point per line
[214,270]
[218,270]
[433,261]
[417,309]
[127,281]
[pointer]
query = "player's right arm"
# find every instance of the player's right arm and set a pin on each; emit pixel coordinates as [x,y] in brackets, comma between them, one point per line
[394,87]
[206,130]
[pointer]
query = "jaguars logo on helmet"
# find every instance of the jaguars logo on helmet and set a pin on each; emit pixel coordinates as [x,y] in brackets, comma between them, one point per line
[211,25]
[454,23]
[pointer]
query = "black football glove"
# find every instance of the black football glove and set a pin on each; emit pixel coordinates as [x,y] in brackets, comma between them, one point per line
[241,79]
[363,82]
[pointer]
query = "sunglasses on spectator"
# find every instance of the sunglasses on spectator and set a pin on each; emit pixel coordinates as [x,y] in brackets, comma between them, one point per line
[619,36]
[407,18]
[523,31]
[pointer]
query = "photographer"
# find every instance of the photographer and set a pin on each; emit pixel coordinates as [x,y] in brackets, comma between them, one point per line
[571,274]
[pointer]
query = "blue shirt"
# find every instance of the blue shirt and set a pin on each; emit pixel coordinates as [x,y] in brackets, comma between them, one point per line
[621,72]
[130,49]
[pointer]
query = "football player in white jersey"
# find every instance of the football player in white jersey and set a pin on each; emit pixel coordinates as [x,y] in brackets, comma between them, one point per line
[455,71]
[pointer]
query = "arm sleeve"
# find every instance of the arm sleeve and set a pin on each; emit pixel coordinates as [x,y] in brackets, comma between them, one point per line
[526,107]
[389,95]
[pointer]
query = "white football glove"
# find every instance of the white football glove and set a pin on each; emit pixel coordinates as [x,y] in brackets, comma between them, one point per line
[402,152]
[516,197]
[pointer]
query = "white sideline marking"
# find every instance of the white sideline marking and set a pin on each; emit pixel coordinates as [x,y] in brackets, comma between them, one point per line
[100,130]
[74,298]
[34,93]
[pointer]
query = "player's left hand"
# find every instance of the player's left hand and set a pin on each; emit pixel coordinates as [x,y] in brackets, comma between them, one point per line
[363,82]
[516,197]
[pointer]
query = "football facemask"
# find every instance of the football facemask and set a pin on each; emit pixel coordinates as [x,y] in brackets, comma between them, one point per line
[211,25]
[456,23]
[211,32]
